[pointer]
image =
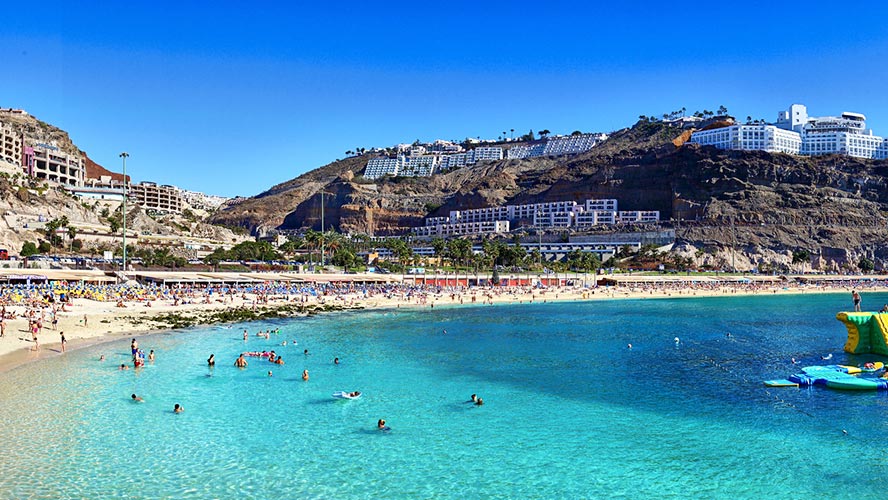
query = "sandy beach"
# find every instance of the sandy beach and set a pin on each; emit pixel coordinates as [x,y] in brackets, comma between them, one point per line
[86,322]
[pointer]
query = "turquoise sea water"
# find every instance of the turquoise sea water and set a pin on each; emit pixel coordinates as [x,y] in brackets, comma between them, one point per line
[570,411]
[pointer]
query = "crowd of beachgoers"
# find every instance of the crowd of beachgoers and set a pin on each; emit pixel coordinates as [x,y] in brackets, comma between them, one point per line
[93,311]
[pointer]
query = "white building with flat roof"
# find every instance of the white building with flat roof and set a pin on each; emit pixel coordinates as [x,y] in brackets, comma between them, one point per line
[470,157]
[638,216]
[418,166]
[557,146]
[461,229]
[797,133]
[11,149]
[572,144]
[378,167]
[202,201]
[589,218]
[846,134]
[602,204]
[531,151]
[48,161]
[556,214]
[751,137]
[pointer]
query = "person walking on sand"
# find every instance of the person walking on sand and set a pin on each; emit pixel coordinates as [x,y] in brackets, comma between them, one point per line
[856,298]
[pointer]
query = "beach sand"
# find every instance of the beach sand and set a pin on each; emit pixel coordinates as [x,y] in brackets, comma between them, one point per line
[106,322]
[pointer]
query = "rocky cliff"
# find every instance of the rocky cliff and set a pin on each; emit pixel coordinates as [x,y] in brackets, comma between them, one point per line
[756,203]
[26,204]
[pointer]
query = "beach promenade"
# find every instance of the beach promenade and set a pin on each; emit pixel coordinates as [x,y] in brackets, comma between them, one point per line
[89,309]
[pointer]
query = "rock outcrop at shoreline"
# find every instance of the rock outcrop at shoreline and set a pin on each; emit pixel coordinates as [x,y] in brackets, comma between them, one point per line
[186,319]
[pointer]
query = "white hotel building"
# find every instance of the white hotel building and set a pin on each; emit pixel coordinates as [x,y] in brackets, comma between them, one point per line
[419,165]
[557,146]
[461,228]
[558,214]
[797,133]
[470,157]
[751,138]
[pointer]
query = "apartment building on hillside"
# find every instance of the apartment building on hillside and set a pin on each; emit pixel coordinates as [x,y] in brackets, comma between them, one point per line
[425,165]
[48,162]
[547,215]
[159,198]
[10,149]
[558,146]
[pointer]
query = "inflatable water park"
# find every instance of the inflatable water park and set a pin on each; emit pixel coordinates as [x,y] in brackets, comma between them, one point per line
[867,334]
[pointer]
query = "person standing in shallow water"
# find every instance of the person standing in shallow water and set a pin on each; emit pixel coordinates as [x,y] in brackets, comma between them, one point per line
[856,298]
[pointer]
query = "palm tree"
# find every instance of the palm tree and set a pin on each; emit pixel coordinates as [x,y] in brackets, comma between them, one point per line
[313,240]
[513,134]
[439,246]
[490,250]
[72,233]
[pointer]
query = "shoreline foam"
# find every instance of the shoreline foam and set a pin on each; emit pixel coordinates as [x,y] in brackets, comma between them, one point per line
[108,323]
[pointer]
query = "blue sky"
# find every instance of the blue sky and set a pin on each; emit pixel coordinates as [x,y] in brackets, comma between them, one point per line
[231,99]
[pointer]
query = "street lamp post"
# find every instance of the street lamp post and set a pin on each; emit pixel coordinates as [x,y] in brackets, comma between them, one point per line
[322,229]
[540,241]
[124,155]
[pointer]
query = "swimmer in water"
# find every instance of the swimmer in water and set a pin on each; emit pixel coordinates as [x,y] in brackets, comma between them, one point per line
[269,373]
[178,409]
[102,357]
[474,398]
[828,356]
[211,361]
[354,394]
[240,362]
[335,361]
[629,346]
[677,341]
[381,425]
[137,399]
[123,367]
[305,352]
[304,374]
[479,402]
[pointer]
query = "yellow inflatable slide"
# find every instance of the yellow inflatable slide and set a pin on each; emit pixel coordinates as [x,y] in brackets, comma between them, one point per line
[867,332]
